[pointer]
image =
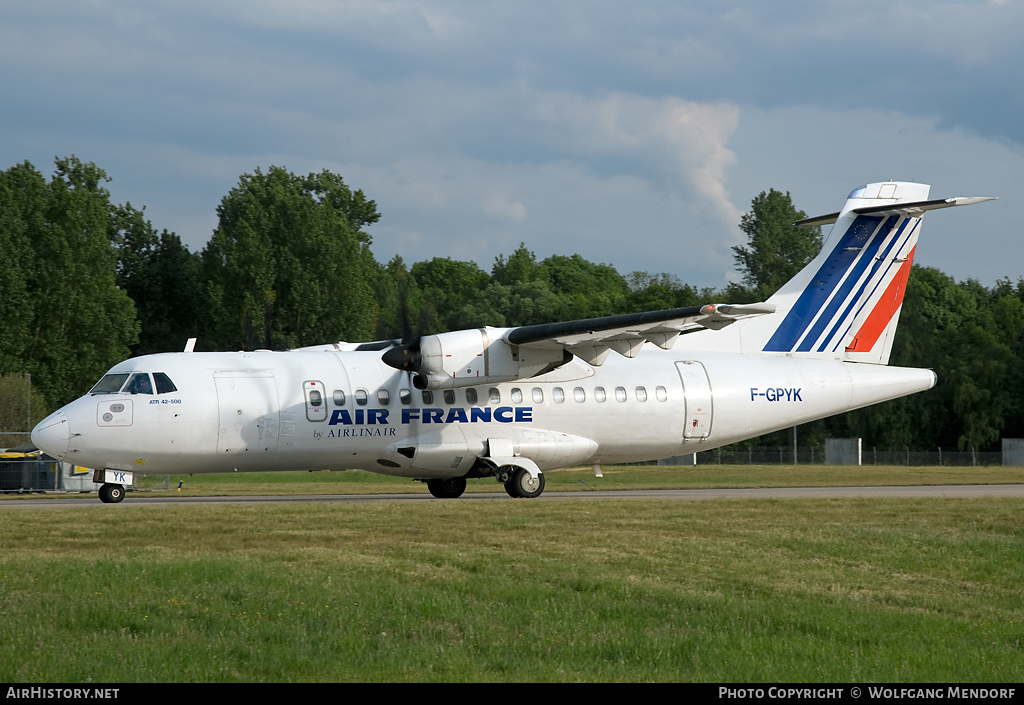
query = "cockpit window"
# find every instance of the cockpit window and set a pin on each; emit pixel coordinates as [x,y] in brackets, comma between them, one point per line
[139,384]
[134,383]
[110,384]
[164,385]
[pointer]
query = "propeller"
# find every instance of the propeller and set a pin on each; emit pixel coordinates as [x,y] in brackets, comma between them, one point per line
[406,356]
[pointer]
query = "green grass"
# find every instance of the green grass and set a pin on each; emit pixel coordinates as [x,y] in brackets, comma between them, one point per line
[624,590]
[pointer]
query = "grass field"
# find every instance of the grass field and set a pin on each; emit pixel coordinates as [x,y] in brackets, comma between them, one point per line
[903,590]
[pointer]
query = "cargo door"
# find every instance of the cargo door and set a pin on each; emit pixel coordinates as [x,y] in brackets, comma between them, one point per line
[249,412]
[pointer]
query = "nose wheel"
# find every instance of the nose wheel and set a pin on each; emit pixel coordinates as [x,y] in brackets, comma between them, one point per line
[111,493]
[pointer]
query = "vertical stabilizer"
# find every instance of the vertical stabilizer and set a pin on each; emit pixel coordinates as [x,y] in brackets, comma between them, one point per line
[845,304]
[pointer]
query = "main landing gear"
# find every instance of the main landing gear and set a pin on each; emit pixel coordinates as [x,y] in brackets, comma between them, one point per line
[518,482]
[448,488]
[111,493]
[522,485]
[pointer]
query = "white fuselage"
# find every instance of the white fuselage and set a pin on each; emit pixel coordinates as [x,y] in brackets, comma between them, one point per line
[317,410]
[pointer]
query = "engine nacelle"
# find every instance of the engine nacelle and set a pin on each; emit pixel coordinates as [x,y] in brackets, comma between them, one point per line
[467,358]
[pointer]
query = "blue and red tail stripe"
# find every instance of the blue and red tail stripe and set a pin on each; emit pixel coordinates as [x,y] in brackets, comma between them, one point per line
[883,263]
[839,290]
[887,306]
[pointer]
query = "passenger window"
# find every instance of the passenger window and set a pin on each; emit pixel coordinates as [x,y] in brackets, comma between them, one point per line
[493,396]
[579,395]
[315,399]
[641,394]
[661,393]
[558,395]
[620,394]
[339,397]
[599,394]
[428,396]
[139,384]
[471,397]
[538,395]
[405,396]
[517,395]
[164,385]
[361,397]
[383,397]
[449,396]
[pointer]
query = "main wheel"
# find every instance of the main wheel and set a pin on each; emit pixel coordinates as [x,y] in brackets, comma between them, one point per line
[524,485]
[111,494]
[448,488]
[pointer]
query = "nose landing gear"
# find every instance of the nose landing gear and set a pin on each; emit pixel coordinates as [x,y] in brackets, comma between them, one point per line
[112,484]
[111,493]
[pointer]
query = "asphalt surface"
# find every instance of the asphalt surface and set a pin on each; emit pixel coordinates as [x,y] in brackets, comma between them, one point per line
[140,498]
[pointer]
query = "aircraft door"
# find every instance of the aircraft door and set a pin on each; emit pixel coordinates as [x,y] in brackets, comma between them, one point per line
[316,400]
[249,412]
[697,392]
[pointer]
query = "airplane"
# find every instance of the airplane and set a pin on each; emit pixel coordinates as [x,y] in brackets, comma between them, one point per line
[513,403]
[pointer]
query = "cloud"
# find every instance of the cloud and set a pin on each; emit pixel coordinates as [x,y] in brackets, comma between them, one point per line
[572,174]
[631,134]
[819,154]
[502,208]
[678,146]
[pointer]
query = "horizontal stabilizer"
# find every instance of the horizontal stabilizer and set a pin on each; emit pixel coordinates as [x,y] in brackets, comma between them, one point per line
[912,210]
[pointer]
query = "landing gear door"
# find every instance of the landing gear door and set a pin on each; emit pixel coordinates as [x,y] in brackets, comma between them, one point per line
[697,391]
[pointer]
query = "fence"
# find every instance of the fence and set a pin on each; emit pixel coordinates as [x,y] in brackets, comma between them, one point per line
[21,473]
[812,455]
[27,474]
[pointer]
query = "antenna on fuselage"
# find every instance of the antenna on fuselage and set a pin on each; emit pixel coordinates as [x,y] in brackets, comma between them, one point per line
[190,345]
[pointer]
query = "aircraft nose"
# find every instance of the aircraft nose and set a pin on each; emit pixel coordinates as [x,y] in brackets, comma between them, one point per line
[52,434]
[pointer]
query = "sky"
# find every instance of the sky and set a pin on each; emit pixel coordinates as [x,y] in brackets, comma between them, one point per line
[633,134]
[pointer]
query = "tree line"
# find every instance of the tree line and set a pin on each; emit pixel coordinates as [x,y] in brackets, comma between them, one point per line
[85,283]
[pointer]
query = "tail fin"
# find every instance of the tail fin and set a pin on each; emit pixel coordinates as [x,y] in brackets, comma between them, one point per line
[845,304]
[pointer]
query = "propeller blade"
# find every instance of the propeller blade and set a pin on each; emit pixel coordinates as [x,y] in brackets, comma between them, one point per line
[406,356]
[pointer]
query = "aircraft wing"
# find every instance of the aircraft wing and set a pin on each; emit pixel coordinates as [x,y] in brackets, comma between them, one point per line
[491,355]
[593,338]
